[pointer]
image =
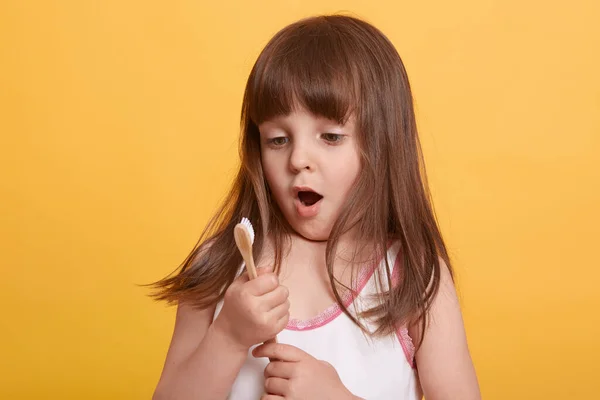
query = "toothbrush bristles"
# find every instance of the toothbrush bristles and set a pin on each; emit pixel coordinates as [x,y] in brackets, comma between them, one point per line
[246,222]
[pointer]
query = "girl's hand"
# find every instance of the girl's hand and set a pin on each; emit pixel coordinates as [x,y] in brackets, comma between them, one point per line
[254,311]
[297,375]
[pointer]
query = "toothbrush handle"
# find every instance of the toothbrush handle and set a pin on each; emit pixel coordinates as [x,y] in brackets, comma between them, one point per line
[251,268]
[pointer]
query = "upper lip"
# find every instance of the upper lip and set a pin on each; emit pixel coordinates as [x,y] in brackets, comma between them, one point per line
[298,189]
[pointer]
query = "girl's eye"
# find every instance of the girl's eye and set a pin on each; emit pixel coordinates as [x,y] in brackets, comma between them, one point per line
[332,137]
[277,141]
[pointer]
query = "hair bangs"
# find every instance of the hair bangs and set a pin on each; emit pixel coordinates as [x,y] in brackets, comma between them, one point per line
[306,68]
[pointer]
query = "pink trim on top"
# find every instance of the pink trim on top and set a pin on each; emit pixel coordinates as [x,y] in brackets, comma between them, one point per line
[402,334]
[407,345]
[334,310]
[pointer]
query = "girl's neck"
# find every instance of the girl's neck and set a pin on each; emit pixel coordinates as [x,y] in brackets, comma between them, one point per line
[345,247]
[349,251]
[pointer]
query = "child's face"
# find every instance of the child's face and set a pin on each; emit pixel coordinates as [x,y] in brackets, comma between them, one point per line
[310,164]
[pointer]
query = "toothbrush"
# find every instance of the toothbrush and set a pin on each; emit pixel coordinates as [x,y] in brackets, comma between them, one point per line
[244,238]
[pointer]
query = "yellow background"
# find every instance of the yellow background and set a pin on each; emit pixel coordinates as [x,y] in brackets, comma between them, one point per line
[119,124]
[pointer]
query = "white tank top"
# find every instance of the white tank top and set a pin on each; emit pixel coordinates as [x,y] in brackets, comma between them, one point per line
[373,368]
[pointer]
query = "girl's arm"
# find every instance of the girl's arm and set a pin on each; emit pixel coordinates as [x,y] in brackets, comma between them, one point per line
[443,360]
[205,357]
[200,363]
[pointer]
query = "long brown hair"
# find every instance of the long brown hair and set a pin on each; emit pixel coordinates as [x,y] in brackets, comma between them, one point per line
[334,66]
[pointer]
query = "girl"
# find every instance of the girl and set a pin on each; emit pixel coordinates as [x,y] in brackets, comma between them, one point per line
[355,280]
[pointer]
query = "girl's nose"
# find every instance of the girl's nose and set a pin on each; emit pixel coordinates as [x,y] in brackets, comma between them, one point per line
[300,159]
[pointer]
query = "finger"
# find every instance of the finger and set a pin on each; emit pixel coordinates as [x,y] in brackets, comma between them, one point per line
[275,298]
[277,386]
[280,351]
[279,369]
[280,311]
[264,284]
[283,322]
[271,397]
[280,325]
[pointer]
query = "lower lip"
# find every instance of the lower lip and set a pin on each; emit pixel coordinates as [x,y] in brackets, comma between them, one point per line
[307,211]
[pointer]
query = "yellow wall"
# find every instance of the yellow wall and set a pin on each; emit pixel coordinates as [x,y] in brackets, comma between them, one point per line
[119,121]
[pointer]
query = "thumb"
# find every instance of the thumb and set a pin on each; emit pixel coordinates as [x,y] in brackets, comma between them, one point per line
[264,270]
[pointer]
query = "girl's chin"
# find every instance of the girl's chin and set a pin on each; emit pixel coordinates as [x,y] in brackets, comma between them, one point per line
[311,233]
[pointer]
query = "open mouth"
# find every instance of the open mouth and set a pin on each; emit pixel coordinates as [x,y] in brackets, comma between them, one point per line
[308,198]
